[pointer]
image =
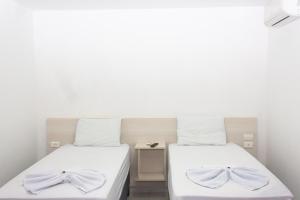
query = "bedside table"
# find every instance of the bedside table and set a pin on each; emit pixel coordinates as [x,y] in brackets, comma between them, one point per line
[151,162]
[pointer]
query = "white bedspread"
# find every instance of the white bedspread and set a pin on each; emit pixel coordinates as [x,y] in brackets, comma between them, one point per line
[111,161]
[182,158]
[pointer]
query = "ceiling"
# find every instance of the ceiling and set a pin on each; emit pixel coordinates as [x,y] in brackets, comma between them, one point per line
[134,4]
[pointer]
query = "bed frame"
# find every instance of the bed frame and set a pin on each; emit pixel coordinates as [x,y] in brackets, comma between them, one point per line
[134,130]
[126,189]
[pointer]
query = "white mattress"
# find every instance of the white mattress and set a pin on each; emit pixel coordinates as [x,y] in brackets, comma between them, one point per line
[111,161]
[182,158]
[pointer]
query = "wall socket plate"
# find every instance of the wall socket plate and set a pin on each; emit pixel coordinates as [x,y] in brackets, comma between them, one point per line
[248,136]
[55,144]
[248,144]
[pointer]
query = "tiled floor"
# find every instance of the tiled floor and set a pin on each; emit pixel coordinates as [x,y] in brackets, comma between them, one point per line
[149,196]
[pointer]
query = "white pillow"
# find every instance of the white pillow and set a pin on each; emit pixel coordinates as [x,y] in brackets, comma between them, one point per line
[201,130]
[98,132]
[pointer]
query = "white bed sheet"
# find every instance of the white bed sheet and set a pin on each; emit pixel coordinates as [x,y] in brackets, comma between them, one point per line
[112,161]
[182,158]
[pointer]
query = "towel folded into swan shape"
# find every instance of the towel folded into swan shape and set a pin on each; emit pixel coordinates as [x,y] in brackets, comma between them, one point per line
[214,178]
[85,180]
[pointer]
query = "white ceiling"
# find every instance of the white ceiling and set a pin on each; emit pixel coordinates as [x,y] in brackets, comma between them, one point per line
[134,4]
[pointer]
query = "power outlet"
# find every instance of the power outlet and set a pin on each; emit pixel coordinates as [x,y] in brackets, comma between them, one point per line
[55,144]
[248,136]
[248,145]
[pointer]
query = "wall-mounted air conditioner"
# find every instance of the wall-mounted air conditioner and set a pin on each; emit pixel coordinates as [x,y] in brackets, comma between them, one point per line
[281,12]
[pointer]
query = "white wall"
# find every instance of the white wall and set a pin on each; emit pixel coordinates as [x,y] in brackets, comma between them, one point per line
[147,62]
[284,105]
[151,62]
[17,130]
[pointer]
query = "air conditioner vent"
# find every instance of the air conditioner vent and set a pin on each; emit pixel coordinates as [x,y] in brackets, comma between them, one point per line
[281,20]
[281,12]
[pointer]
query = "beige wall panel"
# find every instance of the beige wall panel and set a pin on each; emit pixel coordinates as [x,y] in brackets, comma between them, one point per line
[62,130]
[236,128]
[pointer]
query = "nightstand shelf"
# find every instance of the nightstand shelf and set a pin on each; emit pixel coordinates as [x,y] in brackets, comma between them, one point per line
[151,162]
[150,177]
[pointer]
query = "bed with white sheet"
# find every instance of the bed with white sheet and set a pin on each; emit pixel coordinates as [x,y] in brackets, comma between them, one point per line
[113,162]
[182,157]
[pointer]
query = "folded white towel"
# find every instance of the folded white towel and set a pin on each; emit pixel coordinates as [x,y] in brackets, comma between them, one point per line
[213,178]
[86,180]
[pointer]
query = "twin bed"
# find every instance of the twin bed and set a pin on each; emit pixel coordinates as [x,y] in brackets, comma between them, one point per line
[114,162]
[186,157]
[111,161]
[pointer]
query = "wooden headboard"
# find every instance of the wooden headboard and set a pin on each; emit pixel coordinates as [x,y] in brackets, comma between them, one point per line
[135,130]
